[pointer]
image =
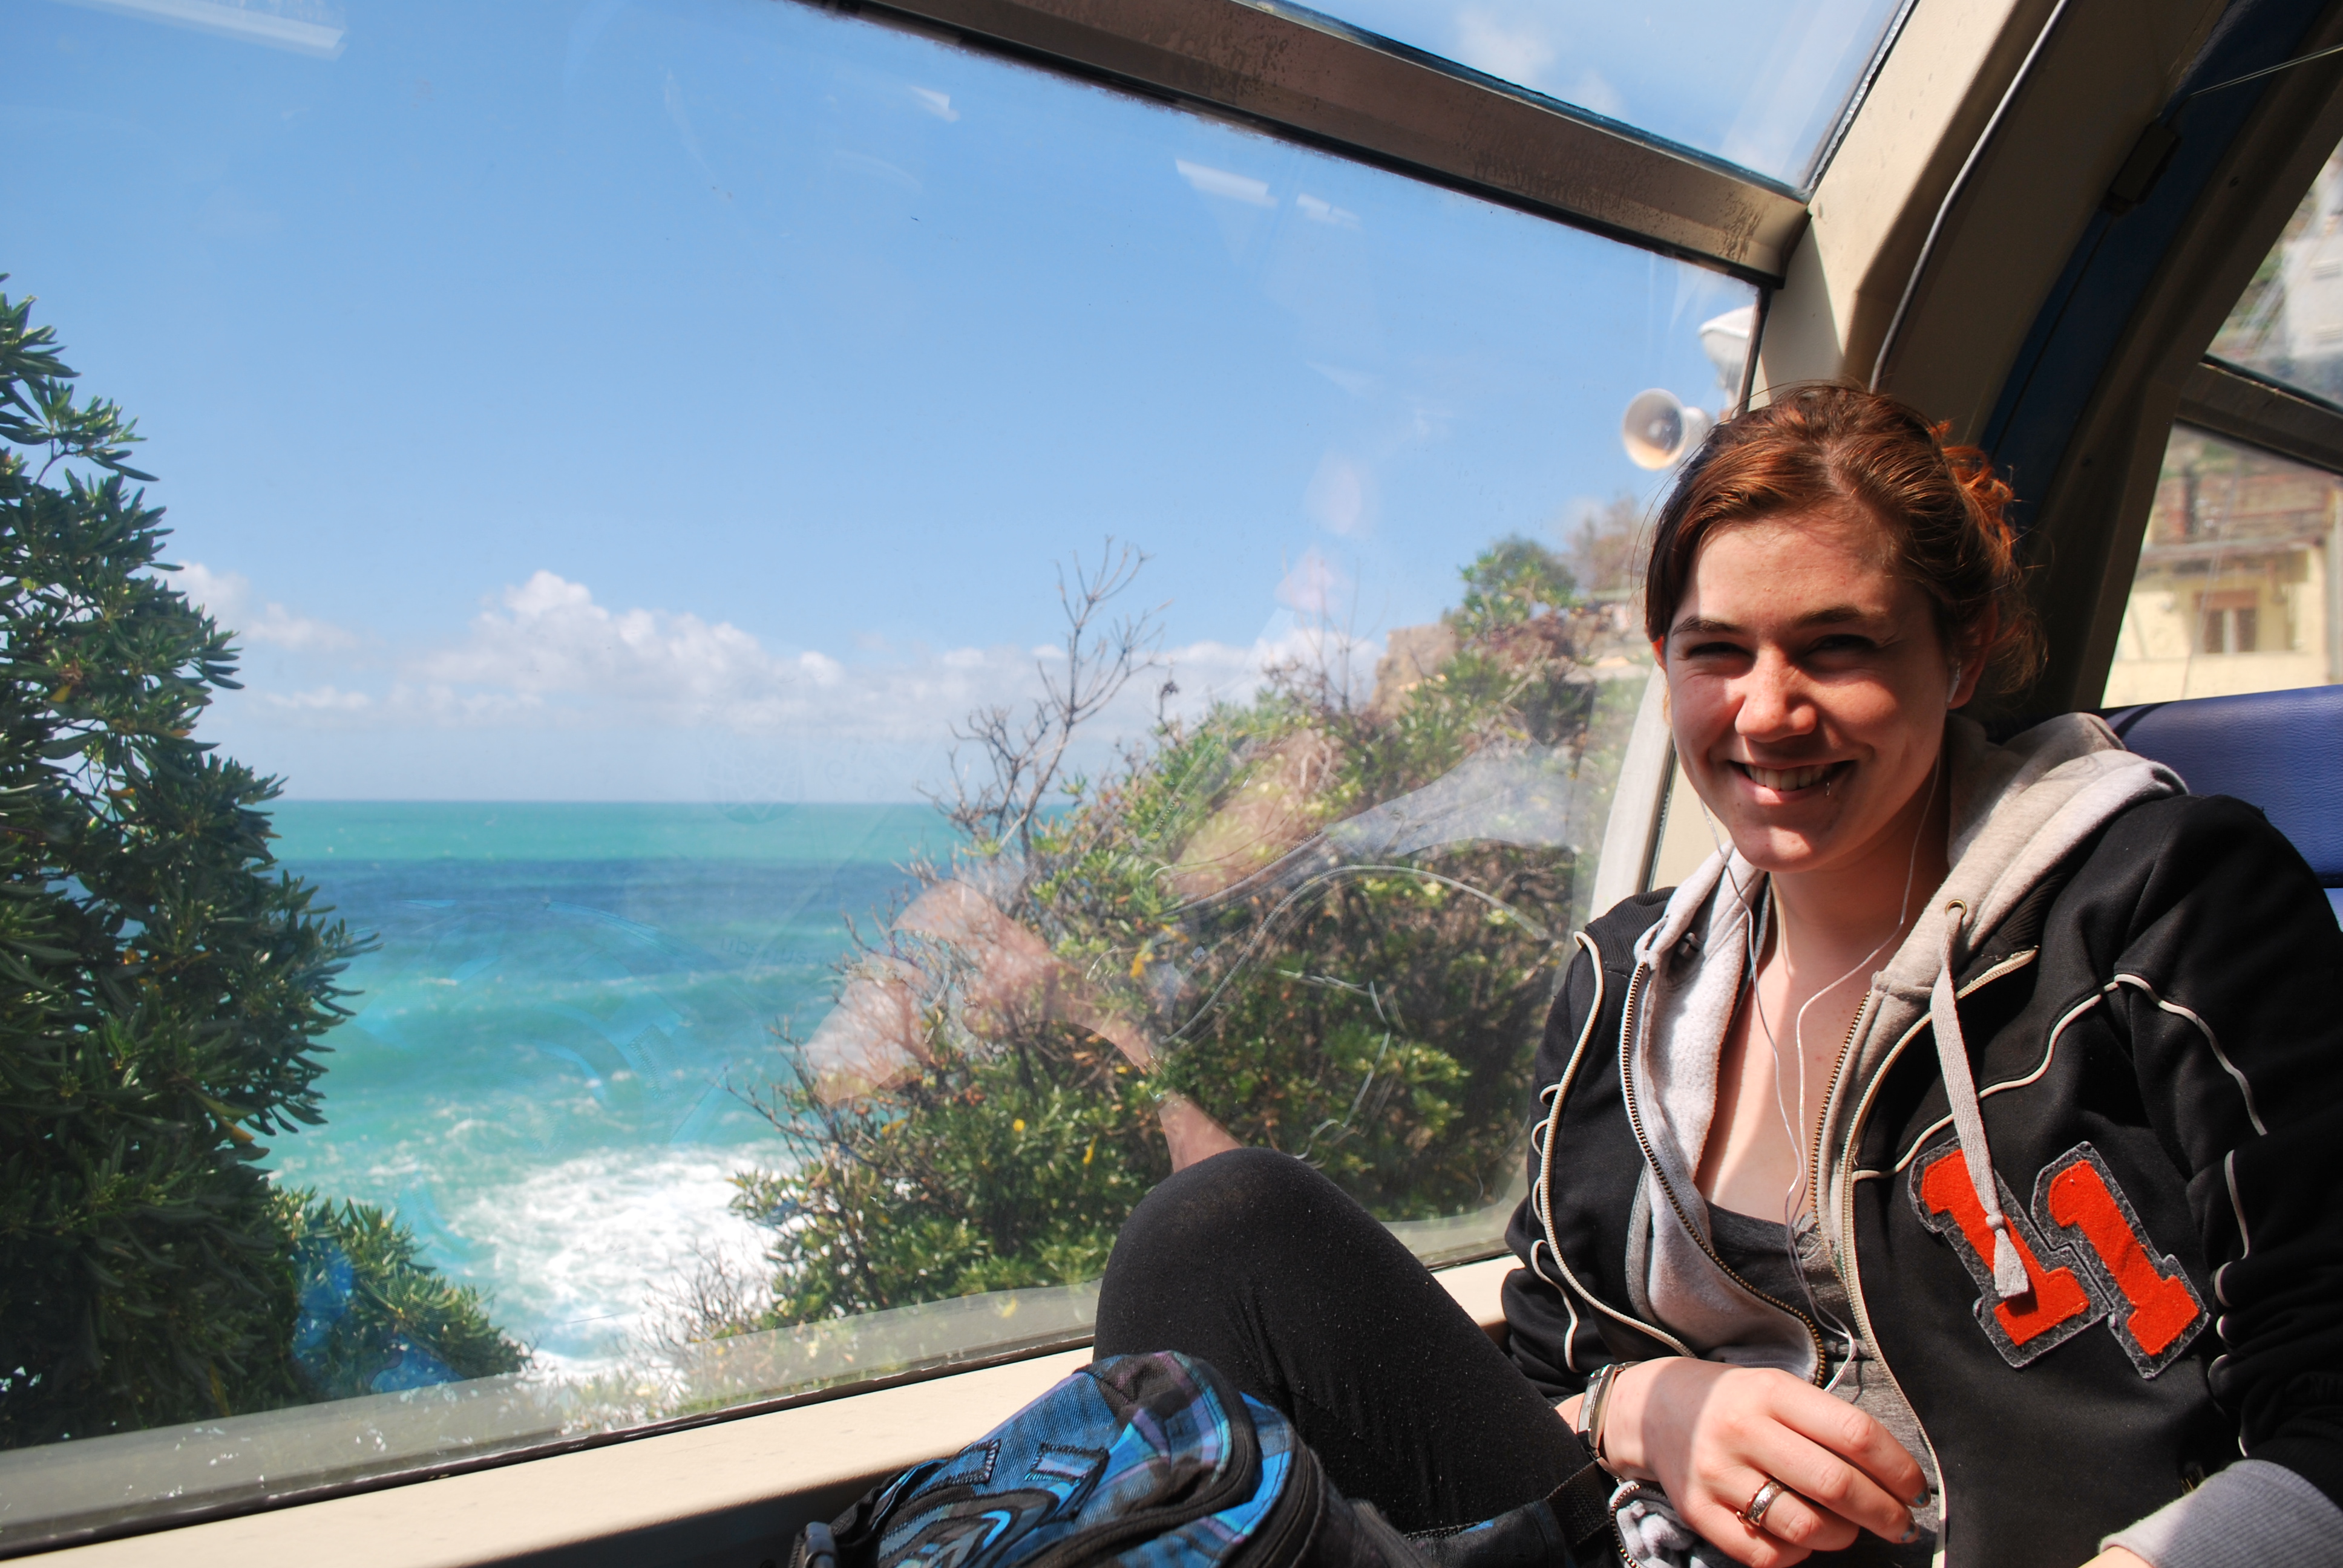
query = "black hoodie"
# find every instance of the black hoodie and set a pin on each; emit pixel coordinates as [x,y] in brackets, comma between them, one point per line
[2148,1004]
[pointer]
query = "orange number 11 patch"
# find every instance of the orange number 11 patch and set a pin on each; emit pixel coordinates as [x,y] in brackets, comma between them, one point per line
[2087,1257]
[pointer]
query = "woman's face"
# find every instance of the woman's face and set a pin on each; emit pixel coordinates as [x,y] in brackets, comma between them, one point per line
[1808,688]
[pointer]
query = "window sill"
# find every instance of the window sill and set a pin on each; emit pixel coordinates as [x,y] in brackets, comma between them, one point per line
[732,1493]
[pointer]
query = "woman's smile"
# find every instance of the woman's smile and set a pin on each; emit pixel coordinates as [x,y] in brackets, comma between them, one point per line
[1786,782]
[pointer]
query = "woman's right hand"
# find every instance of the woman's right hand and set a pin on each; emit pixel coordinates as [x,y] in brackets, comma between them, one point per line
[1712,1434]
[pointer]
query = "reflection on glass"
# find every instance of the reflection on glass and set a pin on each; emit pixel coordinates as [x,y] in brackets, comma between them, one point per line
[2239,587]
[883,646]
[2288,323]
[1326,918]
[1763,85]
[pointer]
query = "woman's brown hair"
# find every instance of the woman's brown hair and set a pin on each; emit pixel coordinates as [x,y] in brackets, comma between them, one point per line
[1826,447]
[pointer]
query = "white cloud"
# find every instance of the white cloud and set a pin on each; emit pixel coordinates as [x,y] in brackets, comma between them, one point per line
[228,598]
[1319,210]
[1212,182]
[1515,48]
[1591,91]
[1210,672]
[1338,495]
[1315,586]
[328,699]
[545,657]
[939,105]
[551,640]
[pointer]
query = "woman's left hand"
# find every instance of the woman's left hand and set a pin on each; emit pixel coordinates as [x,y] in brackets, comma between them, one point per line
[1714,1435]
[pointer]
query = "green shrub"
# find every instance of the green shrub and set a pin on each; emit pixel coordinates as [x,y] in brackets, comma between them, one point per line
[990,1170]
[1197,922]
[370,1317]
[162,988]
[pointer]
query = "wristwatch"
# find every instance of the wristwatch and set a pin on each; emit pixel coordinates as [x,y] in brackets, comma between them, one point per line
[1583,1506]
[1594,1405]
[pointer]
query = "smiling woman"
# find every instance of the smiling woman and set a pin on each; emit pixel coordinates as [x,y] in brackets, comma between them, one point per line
[1830,580]
[1781,1359]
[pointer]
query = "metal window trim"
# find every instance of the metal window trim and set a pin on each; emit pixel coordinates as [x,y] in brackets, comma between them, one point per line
[1859,94]
[734,1485]
[1309,79]
[2239,406]
[150,1517]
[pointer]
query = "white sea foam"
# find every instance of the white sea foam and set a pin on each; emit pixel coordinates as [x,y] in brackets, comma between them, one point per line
[574,1256]
[578,1252]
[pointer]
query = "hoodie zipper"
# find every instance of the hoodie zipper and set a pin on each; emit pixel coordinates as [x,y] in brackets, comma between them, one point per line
[1852,1275]
[1821,1377]
[1852,1278]
[1830,1090]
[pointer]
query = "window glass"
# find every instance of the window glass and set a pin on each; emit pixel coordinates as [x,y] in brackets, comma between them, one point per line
[866,641]
[2238,588]
[2288,324]
[1761,85]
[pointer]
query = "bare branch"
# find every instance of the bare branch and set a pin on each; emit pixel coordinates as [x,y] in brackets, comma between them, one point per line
[717,1300]
[1004,768]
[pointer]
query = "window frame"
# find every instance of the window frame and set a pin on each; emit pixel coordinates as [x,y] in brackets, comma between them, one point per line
[1293,73]
[2242,409]
[662,1491]
[1307,77]
[2237,405]
[732,1488]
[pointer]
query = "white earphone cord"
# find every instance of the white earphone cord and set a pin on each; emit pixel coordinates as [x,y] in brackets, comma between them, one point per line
[1755,927]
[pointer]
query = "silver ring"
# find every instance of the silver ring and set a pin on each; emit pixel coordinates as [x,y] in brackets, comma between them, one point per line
[1753,1513]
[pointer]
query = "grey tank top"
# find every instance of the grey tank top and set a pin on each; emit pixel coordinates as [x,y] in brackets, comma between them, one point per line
[1758,1251]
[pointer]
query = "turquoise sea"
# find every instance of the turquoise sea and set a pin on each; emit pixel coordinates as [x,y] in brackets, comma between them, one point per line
[536,1075]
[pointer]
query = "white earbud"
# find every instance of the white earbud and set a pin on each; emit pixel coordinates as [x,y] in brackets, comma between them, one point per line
[1955,689]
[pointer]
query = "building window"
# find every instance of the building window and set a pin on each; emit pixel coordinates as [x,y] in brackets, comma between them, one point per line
[2230,623]
[2236,588]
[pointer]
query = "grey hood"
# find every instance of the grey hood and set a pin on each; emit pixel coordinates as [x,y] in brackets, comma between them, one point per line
[2018,810]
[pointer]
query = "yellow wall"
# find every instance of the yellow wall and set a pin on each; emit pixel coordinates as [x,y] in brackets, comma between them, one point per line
[2154,661]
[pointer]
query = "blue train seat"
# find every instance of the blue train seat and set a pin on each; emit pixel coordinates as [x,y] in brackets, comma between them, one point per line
[2280,750]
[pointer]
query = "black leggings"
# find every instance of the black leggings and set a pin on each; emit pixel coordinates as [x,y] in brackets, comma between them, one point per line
[1260,1265]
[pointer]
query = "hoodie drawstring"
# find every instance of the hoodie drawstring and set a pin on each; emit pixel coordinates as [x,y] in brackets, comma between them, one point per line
[1968,1123]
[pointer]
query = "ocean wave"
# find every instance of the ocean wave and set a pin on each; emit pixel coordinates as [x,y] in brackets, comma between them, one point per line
[575,1255]
[583,1249]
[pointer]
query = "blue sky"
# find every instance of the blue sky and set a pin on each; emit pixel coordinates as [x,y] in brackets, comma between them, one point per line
[637,401]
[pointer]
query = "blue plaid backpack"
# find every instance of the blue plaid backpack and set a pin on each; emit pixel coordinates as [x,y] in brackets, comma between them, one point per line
[1156,1459]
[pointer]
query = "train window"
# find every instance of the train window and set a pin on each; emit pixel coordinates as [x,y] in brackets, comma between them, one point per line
[855,631]
[2238,583]
[2288,326]
[2240,586]
[1763,86]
